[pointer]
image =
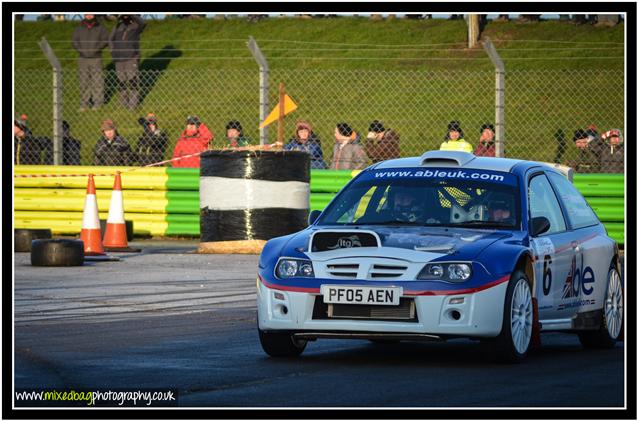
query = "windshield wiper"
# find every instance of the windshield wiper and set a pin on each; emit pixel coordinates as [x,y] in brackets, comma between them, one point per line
[492,224]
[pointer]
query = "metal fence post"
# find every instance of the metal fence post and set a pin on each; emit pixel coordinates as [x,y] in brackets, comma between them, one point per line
[263,87]
[472,30]
[499,104]
[57,100]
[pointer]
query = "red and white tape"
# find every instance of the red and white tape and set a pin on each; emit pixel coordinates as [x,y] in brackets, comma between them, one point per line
[106,175]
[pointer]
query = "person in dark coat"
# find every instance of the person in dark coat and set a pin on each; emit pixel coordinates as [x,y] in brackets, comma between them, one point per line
[588,145]
[125,50]
[486,145]
[27,148]
[89,39]
[381,143]
[151,145]
[70,146]
[112,149]
[307,141]
[235,135]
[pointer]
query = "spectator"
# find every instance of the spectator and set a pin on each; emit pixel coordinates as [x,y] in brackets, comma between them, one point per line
[89,39]
[112,148]
[27,148]
[70,146]
[307,141]
[588,146]
[529,18]
[454,139]
[612,152]
[607,20]
[235,135]
[486,145]
[382,143]
[125,50]
[348,153]
[195,138]
[151,145]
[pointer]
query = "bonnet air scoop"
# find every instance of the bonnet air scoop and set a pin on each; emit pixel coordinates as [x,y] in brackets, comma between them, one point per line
[446,159]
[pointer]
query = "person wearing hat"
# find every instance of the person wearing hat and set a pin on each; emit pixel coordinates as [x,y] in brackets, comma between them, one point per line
[588,144]
[347,153]
[500,210]
[235,135]
[307,141]
[381,143]
[89,39]
[612,152]
[151,145]
[486,145]
[454,140]
[112,149]
[124,43]
[27,149]
[195,138]
[70,146]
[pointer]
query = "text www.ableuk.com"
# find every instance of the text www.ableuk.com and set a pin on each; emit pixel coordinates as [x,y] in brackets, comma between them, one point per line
[442,174]
[120,398]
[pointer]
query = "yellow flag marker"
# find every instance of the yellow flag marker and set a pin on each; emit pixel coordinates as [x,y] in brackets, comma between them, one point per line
[289,106]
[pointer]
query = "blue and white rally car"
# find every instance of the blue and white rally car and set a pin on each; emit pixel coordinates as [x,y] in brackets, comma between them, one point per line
[442,246]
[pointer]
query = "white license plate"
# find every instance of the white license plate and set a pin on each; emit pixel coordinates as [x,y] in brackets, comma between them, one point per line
[338,294]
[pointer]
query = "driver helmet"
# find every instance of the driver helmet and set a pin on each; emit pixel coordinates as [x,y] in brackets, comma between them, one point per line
[405,204]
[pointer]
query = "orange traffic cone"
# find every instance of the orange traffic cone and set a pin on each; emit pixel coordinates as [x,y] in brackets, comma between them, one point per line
[115,233]
[91,234]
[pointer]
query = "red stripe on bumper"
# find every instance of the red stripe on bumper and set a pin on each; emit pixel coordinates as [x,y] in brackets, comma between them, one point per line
[405,292]
[460,291]
[287,288]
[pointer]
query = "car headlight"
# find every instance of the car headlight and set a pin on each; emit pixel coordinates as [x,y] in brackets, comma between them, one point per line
[452,272]
[289,268]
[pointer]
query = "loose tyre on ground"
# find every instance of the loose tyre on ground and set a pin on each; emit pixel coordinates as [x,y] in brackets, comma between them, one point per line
[613,317]
[60,252]
[281,344]
[23,237]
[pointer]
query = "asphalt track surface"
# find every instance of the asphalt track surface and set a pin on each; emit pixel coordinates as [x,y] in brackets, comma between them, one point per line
[168,318]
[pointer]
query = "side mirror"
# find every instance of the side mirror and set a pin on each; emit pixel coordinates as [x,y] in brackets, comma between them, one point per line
[538,225]
[313,216]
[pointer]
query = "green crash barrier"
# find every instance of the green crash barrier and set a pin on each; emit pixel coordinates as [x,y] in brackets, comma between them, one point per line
[165,201]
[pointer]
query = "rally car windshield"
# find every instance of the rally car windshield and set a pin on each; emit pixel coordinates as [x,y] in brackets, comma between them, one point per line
[476,199]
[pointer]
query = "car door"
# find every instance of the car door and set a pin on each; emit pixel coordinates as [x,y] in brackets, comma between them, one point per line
[594,250]
[553,249]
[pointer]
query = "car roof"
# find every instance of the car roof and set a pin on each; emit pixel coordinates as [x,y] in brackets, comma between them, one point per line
[456,159]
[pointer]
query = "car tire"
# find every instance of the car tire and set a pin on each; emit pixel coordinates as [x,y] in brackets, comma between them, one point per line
[613,317]
[281,344]
[60,252]
[513,343]
[24,236]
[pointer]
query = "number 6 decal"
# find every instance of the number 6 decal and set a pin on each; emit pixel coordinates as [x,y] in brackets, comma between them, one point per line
[547,274]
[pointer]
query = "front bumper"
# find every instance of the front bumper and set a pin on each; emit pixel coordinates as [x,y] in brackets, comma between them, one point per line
[481,315]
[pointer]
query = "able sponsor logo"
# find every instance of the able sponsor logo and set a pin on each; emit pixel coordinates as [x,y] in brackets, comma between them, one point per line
[579,280]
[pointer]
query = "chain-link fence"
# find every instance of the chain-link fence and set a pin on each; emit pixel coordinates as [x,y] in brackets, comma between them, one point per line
[543,110]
